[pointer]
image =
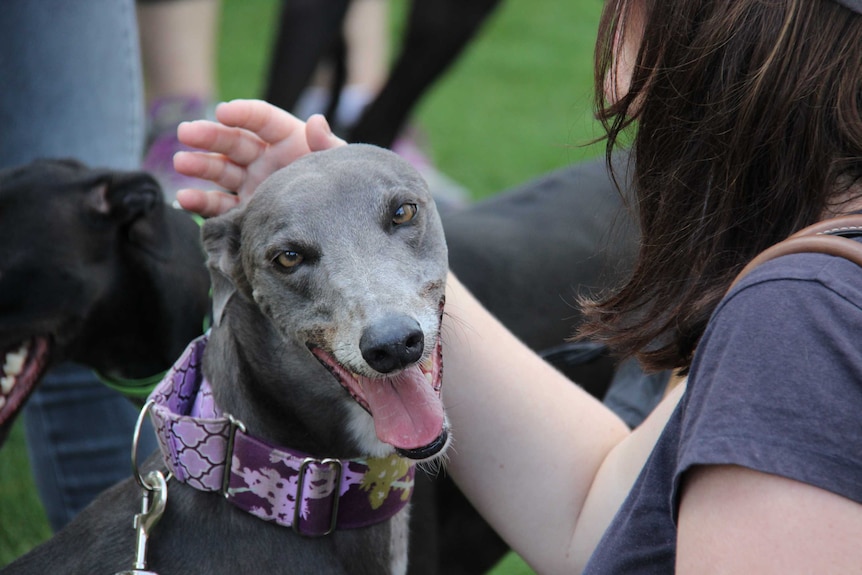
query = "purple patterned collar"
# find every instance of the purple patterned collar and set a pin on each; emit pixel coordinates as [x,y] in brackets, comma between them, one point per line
[196,437]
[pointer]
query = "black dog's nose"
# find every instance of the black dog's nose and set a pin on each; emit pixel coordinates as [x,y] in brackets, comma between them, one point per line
[392,344]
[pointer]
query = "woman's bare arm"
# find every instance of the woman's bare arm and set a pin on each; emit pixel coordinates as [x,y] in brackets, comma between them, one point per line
[543,461]
[737,520]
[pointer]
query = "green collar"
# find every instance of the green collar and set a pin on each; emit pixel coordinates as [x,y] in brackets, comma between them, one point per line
[139,388]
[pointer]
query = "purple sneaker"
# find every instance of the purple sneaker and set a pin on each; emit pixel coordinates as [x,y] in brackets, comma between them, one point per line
[163,117]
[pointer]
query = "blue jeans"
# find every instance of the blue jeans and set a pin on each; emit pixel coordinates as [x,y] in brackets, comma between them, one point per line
[79,438]
[73,87]
[72,82]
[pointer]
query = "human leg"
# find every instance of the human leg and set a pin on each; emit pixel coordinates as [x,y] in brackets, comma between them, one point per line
[72,82]
[178,52]
[72,88]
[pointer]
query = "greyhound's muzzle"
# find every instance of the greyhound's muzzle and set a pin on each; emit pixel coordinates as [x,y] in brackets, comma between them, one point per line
[404,401]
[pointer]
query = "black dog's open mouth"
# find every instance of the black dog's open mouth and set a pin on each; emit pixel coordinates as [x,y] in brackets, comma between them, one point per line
[23,366]
[406,407]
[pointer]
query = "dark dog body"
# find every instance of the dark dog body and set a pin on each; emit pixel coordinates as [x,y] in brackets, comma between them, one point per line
[199,533]
[528,253]
[365,265]
[94,268]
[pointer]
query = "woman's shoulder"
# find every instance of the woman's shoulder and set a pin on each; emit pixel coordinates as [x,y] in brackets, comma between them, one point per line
[775,384]
[792,308]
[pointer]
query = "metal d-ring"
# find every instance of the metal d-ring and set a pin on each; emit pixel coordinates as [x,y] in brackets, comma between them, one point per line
[135,438]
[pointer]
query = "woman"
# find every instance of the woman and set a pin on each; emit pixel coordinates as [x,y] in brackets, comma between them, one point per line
[749,127]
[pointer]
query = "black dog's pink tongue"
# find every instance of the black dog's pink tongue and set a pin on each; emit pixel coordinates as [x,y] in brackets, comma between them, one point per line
[407,410]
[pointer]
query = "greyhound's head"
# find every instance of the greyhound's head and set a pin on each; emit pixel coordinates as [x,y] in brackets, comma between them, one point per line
[343,253]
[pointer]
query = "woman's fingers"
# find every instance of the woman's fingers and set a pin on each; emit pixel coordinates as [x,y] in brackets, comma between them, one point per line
[240,146]
[210,166]
[251,140]
[269,123]
[208,203]
[319,136]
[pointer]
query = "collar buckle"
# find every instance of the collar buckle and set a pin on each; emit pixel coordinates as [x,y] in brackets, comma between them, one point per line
[334,464]
[235,425]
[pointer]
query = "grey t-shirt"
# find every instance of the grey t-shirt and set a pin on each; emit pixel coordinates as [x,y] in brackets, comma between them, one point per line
[776,386]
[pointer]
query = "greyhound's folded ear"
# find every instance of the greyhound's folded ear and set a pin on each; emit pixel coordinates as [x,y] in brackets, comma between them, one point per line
[221,238]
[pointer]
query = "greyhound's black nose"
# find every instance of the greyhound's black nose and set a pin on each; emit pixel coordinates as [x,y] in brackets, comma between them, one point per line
[392,344]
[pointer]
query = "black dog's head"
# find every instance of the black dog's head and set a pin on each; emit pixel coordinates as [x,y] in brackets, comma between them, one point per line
[82,254]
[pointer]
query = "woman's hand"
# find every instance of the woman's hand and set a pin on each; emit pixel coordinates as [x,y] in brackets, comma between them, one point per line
[251,140]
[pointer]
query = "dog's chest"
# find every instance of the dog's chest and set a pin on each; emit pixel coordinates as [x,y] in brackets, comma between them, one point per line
[398,541]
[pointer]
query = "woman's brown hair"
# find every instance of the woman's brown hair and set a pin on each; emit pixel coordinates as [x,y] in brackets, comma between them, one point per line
[745,119]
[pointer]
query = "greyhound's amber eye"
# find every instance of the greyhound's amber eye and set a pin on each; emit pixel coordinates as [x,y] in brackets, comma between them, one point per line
[404,214]
[288,259]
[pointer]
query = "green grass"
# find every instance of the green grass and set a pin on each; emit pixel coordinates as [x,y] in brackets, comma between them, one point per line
[22,519]
[514,106]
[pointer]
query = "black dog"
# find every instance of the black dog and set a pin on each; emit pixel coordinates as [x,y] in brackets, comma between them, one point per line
[94,268]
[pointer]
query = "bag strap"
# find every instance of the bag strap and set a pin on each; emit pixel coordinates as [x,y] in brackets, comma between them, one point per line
[830,236]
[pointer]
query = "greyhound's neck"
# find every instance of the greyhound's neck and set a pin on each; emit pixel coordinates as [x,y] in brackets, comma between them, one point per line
[269,384]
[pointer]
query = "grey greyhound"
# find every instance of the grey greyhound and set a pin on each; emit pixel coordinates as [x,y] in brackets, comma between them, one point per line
[290,431]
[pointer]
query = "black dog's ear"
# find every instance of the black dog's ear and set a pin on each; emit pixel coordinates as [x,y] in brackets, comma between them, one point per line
[221,238]
[125,196]
[134,201]
[97,198]
[130,201]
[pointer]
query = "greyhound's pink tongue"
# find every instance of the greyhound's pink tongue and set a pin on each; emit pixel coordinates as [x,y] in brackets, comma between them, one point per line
[407,411]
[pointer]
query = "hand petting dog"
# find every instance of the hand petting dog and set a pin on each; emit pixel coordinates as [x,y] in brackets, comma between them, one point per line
[250,141]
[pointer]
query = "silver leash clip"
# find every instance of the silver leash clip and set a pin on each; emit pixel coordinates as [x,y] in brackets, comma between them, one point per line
[154,500]
[154,491]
